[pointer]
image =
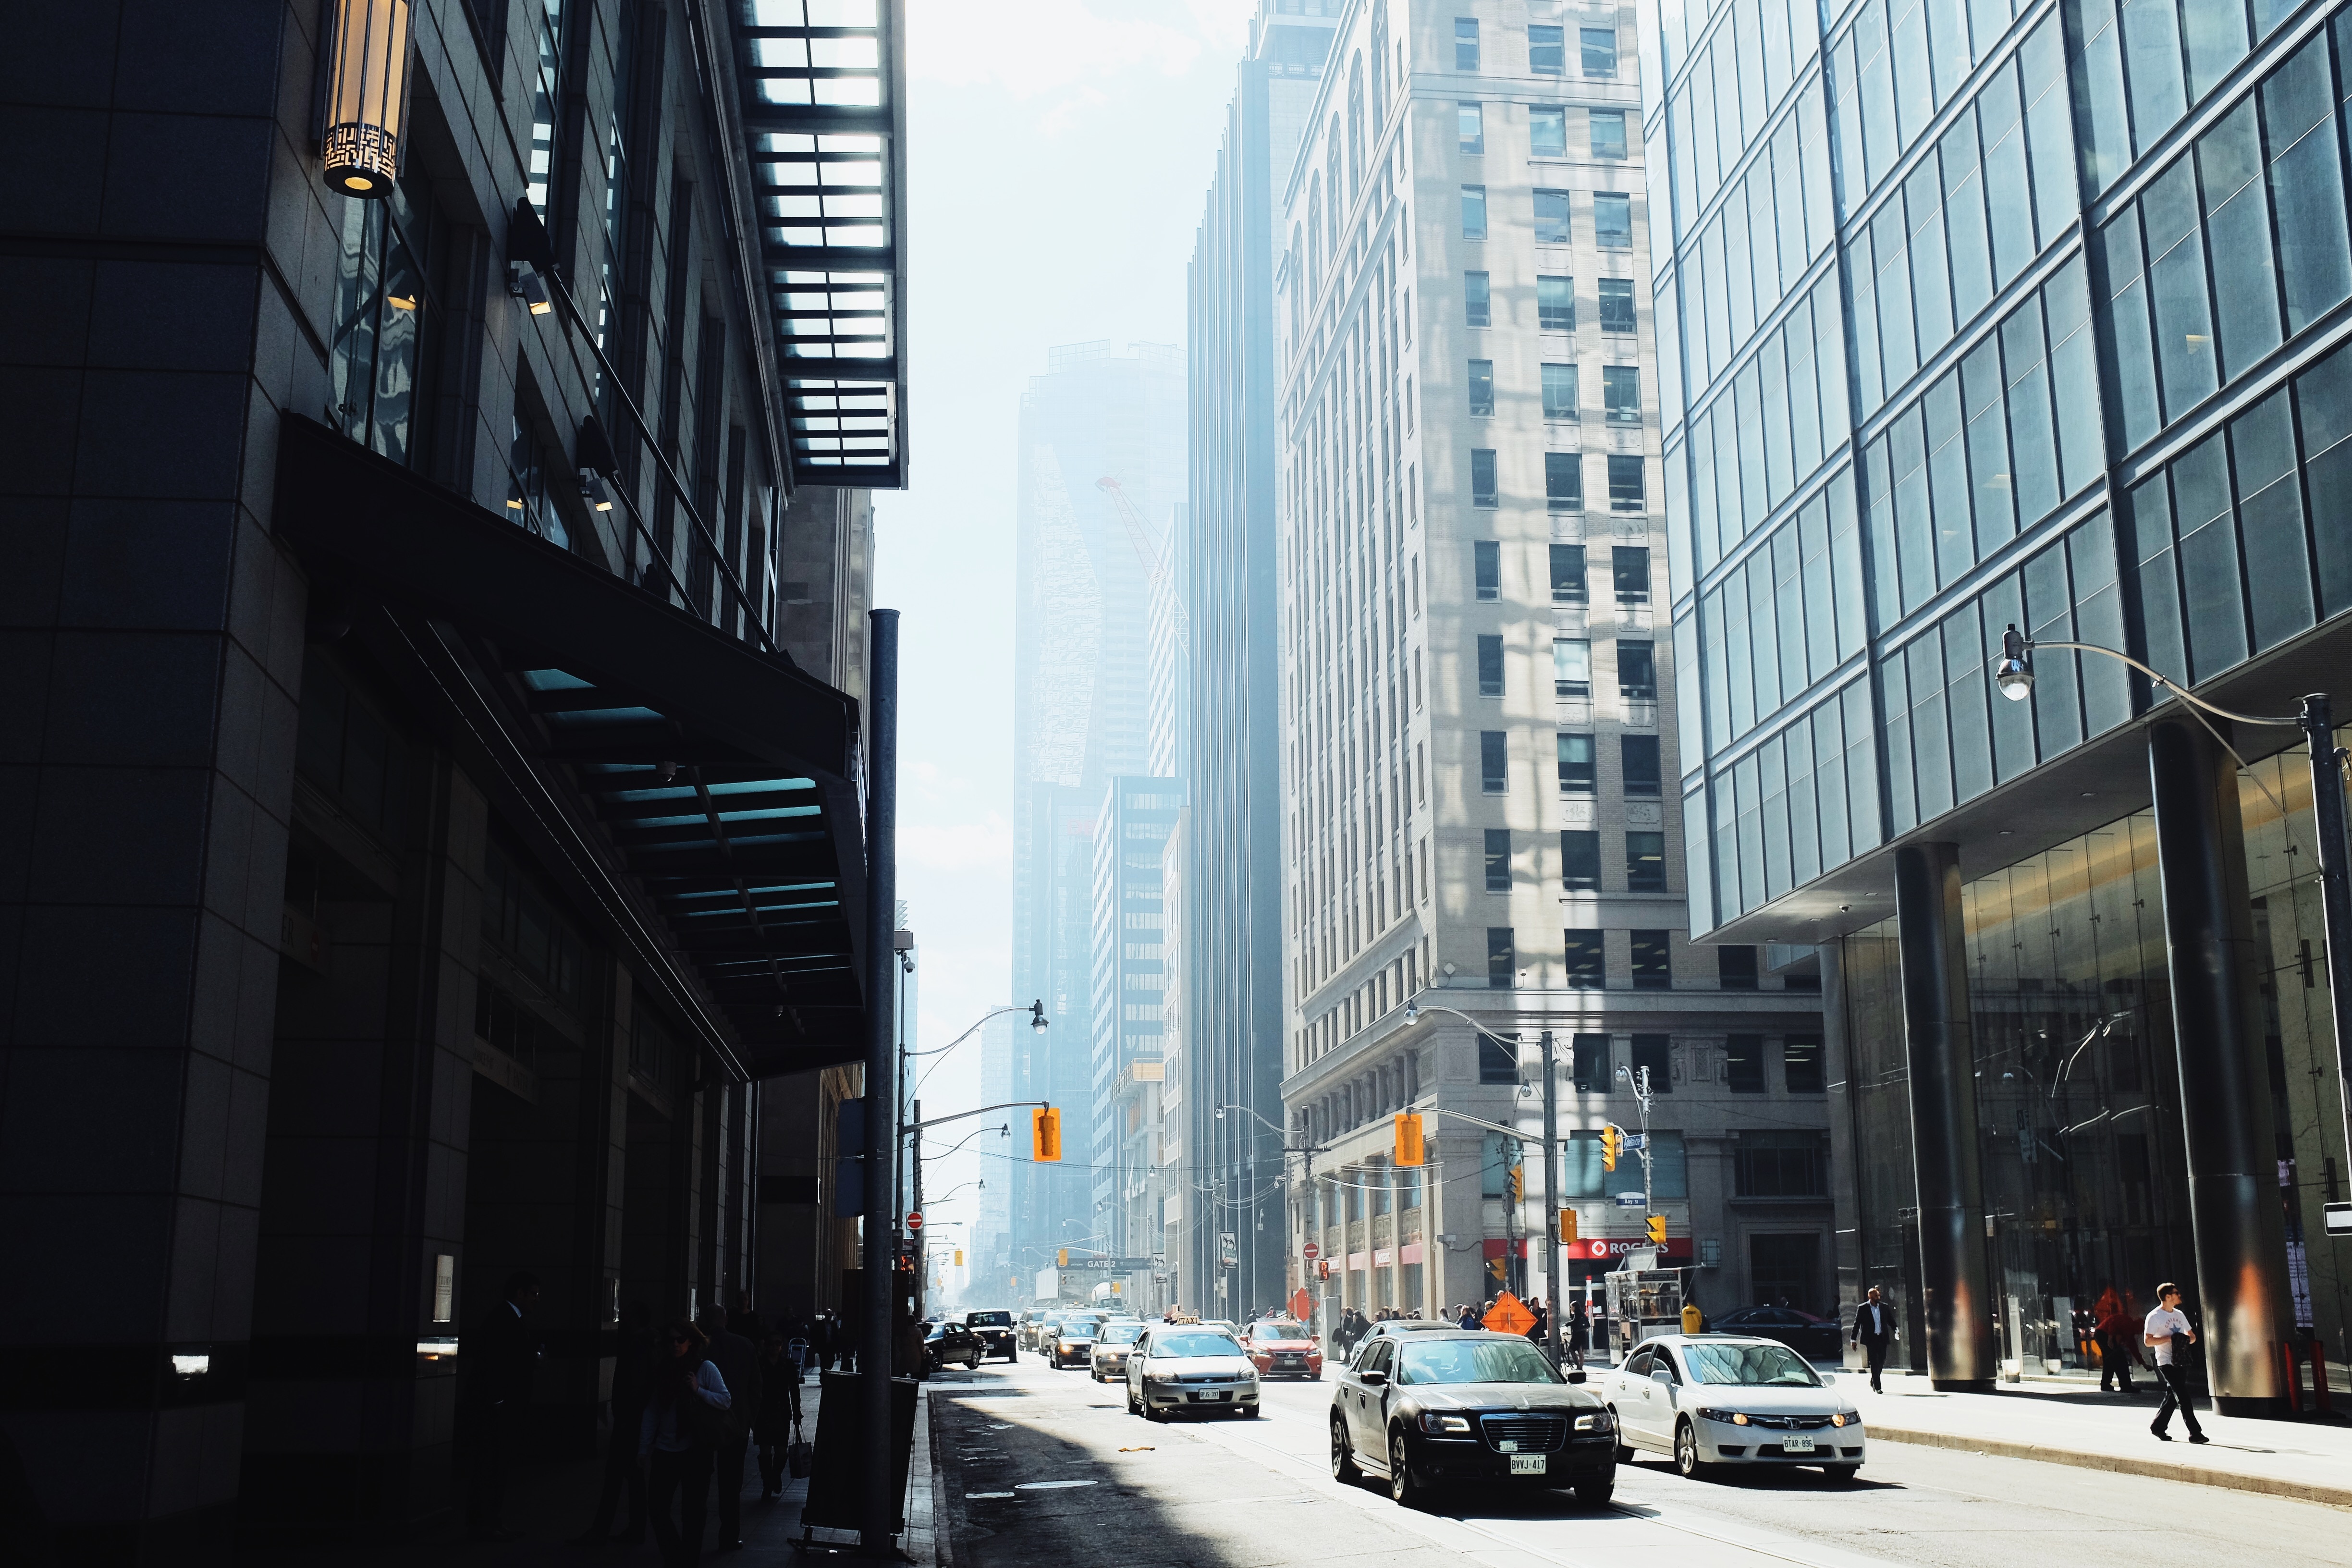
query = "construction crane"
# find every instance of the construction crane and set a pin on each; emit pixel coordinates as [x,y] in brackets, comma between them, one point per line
[1156,560]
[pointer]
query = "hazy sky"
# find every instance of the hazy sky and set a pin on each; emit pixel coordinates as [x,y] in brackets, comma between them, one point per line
[1059,153]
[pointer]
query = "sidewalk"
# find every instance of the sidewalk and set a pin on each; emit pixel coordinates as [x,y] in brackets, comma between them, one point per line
[2061,1422]
[925,1542]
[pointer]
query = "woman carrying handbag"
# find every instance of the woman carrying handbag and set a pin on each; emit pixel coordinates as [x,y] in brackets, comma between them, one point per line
[677,1436]
[773,1425]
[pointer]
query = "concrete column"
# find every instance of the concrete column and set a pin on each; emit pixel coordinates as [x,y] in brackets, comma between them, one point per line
[1939,1043]
[2225,1110]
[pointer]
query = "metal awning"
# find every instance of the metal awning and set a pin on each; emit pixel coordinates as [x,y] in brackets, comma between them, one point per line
[821,87]
[713,788]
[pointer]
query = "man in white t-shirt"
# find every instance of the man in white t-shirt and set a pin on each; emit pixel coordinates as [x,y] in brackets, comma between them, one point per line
[2166,1324]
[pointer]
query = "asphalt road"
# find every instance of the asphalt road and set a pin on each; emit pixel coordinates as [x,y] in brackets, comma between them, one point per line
[1044,1467]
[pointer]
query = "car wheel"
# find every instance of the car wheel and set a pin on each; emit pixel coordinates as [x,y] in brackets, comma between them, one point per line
[1343,1460]
[1596,1494]
[1249,1411]
[1134,1407]
[1624,1453]
[1406,1491]
[1840,1475]
[1687,1463]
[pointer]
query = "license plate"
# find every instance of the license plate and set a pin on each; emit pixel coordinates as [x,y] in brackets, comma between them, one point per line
[1217,1394]
[1795,1444]
[1528,1464]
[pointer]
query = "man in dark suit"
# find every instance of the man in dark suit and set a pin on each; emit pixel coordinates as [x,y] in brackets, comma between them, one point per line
[632,1366]
[501,1357]
[738,1361]
[1873,1330]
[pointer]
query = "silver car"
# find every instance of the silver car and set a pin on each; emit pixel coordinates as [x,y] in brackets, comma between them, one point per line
[1728,1399]
[1072,1344]
[1113,1342]
[1180,1366]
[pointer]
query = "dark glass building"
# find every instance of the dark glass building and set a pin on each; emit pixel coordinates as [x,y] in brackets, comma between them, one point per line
[434,822]
[2031,315]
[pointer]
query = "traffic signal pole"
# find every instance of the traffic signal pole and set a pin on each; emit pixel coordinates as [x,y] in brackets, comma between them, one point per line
[878,1510]
[1552,1200]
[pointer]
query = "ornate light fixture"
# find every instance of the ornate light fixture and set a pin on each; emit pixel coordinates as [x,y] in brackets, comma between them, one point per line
[367,96]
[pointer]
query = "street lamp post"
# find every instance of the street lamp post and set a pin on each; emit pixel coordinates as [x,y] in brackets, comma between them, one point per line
[1412,1011]
[2013,673]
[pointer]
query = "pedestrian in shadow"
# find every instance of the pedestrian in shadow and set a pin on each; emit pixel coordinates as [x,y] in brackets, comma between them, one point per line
[675,1436]
[500,1356]
[738,1359]
[779,1413]
[2114,1323]
[633,1370]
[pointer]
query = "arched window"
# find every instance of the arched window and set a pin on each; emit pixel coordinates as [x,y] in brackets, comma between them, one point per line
[1355,126]
[1315,227]
[1335,164]
[1379,64]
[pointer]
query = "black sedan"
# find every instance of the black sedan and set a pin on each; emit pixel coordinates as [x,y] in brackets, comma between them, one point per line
[946,1343]
[1436,1411]
[1815,1338]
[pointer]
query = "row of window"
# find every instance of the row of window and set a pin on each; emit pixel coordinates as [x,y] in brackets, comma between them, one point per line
[1563,481]
[1745,69]
[1604,131]
[1555,303]
[1765,1162]
[1572,665]
[1584,951]
[1592,1066]
[1612,218]
[1628,570]
[1780,621]
[1768,430]
[2142,63]
[1580,860]
[1577,763]
[1546,49]
[1621,392]
[1803,803]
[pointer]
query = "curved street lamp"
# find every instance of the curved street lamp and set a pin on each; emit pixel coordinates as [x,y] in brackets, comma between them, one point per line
[2013,673]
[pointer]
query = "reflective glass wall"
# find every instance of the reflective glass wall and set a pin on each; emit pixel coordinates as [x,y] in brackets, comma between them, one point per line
[2078,1108]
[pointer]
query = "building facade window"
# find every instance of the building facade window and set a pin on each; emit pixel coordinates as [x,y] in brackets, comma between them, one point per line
[1621,394]
[1547,132]
[1502,967]
[1629,569]
[1564,481]
[1743,1064]
[1800,1064]
[1498,860]
[1576,767]
[1559,392]
[1482,387]
[1637,671]
[1465,43]
[1580,860]
[1646,859]
[1735,967]
[1498,1059]
[1477,310]
[1567,574]
[1494,761]
[1490,664]
[1589,1064]
[1486,568]
[1551,218]
[1546,50]
[1471,126]
[1483,491]
[1571,666]
[1777,1163]
[1554,303]
[1612,220]
[1653,961]
[1640,757]
[1599,48]
[1473,212]
[1617,305]
[1650,1051]
[1608,131]
[1587,967]
[1626,491]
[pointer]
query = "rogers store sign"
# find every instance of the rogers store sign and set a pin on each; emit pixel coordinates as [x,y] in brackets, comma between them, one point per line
[1606,1250]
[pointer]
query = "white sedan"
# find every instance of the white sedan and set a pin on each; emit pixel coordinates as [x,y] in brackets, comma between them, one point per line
[1184,1366]
[1723,1399]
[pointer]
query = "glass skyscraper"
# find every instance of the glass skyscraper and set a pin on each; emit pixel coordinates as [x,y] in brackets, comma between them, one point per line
[1980,314]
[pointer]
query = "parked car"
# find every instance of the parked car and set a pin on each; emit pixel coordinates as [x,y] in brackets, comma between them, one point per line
[1187,1366]
[1071,1342]
[1033,1332]
[1725,1399]
[995,1331]
[1113,1344]
[1433,1412]
[1815,1338]
[948,1342]
[1283,1348]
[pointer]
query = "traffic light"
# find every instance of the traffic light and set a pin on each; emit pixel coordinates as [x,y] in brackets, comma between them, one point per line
[1046,1134]
[1518,1182]
[1610,1140]
[1497,1267]
[1407,1139]
[1656,1225]
[959,1258]
[1566,1228]
[1062,1258]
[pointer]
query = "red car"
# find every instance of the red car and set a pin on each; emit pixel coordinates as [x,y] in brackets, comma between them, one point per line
[1283,1348]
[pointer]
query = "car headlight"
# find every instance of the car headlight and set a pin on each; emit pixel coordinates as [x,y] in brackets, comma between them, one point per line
[1841,1418]
[1433,1421]
[1733,1417]
[1596,1422]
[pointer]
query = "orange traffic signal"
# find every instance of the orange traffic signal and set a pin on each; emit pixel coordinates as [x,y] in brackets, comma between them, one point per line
[1408,1151]
[1566,1228]
[1046,1134]
[1611,1139]
[1656,1225]
[1519,1183]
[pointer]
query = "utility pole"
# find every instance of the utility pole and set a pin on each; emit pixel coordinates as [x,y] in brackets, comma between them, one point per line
[1551,1202]
[914,1167]
[878,1513]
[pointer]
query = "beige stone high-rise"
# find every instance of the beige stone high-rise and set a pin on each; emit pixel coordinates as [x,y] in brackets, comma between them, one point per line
[1477,698]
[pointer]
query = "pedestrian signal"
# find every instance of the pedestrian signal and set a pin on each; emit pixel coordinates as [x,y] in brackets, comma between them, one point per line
[1567,1228]
[1046,1134]
[1062,1258]
[1656,1225]
[1518,1182]
[1610,1140]
[1407,1139]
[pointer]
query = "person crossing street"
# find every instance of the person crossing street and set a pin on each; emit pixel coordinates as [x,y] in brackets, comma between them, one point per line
[2167,1325]
[1874,1330]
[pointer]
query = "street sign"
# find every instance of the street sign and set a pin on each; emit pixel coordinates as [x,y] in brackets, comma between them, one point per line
[1310,1252]
[2340,1218]
[1635,1140]
[914,1221]
[1508,1316]
[1229,1249]
[1632,1200]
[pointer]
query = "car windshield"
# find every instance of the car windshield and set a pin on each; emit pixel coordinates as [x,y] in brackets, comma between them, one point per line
[1280,1331]
[1122,1333]
[990,1320]
[1475,1360]
[1194,1343]
[1751,1366]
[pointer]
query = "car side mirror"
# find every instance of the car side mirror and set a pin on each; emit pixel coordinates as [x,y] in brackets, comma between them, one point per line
[1374,1379]
[1576,1377]
[1662,1376]
[1828,1378]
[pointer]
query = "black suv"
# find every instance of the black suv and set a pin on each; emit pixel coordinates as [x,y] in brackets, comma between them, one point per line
[995,1332]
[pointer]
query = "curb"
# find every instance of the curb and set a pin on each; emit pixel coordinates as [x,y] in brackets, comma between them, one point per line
[2118,1464]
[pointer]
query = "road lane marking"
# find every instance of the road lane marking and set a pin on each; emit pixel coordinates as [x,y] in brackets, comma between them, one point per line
[1050,1486]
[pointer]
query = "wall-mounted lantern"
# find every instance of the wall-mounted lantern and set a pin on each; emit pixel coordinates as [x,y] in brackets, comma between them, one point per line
[367,95]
